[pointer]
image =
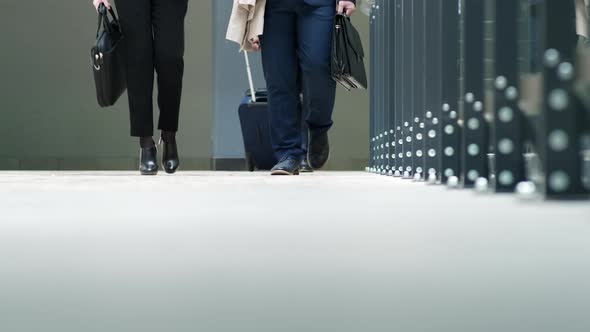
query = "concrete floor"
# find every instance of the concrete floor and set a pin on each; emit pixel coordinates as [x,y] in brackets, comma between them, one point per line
[225,252]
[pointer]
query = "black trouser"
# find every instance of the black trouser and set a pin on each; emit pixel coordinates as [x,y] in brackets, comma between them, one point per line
[154,33]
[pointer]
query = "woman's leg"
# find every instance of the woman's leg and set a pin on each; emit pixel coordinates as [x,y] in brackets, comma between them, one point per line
[136,23]
[168,26]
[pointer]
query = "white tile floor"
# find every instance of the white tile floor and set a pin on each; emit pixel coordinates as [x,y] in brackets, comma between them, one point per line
[204,251]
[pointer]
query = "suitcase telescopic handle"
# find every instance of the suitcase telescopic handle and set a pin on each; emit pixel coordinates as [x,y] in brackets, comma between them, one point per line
[250,80]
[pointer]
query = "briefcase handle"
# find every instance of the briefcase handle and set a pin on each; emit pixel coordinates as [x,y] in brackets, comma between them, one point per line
[103,18]
[338,4]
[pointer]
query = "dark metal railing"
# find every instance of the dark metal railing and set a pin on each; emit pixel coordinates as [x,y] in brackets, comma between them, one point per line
[439,113]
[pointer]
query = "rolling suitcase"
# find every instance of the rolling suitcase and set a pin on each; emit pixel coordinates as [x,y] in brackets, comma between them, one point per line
[255,123]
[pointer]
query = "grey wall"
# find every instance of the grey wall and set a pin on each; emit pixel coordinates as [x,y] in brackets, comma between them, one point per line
[49,117]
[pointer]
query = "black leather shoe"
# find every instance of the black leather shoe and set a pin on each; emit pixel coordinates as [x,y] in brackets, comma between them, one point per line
[170,159]
[287,166]
[304,167]
[318,149]
[148,161]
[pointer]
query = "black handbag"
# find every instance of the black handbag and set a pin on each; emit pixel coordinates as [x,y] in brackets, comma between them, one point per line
[348,66]
[109,59]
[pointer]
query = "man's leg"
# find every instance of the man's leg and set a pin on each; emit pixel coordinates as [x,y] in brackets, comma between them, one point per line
[303,111]
[168,21]
[315,25]
[136,23]
[280,70]
[304,129]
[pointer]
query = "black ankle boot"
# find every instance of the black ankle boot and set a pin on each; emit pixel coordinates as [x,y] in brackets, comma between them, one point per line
[148,160]
[170,158]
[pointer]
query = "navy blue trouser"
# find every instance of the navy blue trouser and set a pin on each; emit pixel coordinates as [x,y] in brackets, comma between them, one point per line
[304,131]
[303,112]
[298,37]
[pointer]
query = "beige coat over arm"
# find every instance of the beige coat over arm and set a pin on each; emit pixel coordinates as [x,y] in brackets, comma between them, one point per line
[246,22]
[582,17]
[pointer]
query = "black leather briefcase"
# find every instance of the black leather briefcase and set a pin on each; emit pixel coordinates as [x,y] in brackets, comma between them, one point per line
[348,66]
[109,59]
